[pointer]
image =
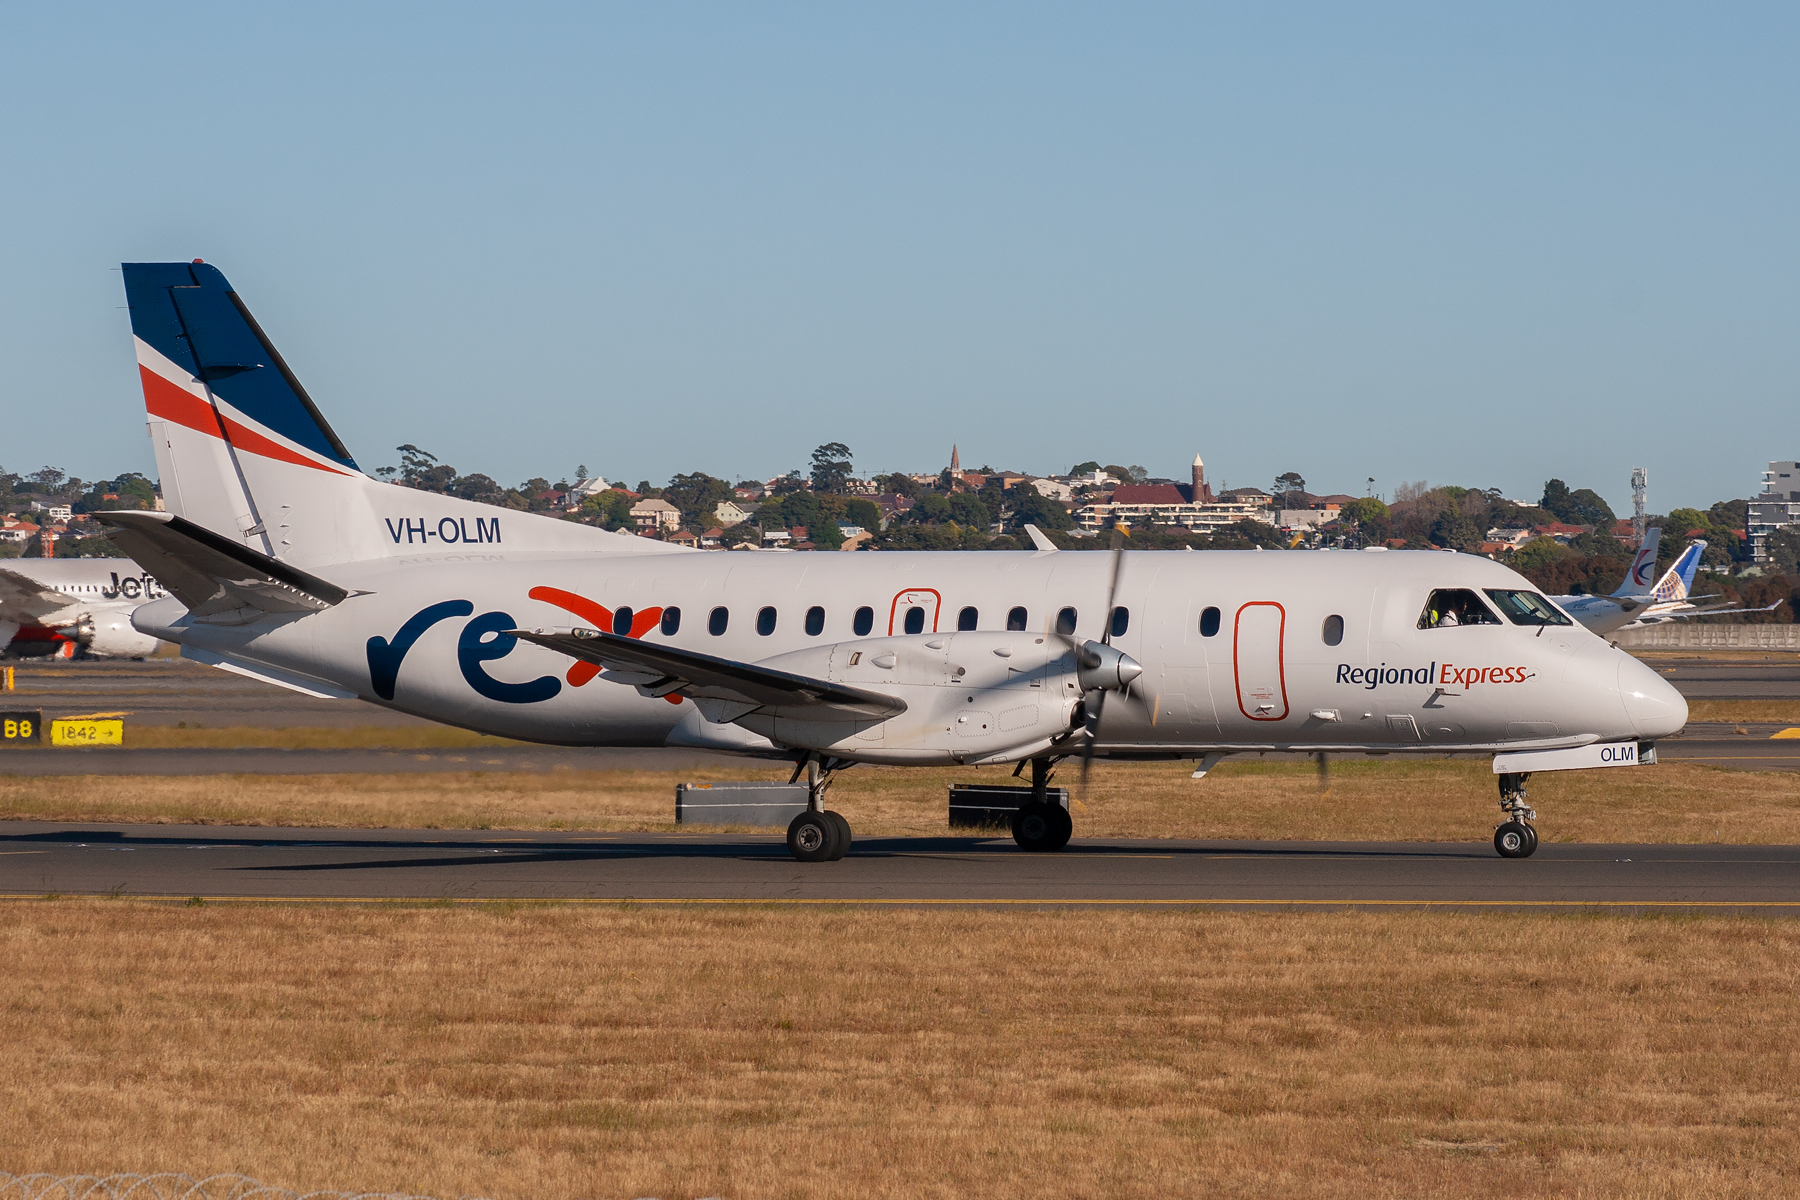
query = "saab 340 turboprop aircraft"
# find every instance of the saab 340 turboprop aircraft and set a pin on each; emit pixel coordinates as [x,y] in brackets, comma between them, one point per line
[285,561]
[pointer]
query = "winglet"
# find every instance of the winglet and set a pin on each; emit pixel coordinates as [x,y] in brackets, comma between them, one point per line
[1044,544]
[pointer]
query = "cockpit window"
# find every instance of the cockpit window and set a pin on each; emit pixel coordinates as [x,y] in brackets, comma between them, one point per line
[1527,608]
[1455,606]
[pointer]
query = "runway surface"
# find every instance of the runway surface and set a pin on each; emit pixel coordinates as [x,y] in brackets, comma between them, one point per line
[1776,678]
[38,858]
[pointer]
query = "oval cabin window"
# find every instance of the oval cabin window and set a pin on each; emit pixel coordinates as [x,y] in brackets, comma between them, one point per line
[815,621]
[1334,630]
[671,622]
[765,621]
[716,623]
[1209,623]
[863,621]
[967,619]
[622,621]
[915,620]
[1065,621]
[1015,620]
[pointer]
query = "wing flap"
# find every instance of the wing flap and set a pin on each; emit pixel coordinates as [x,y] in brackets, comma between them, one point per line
[737,687]
[215,576]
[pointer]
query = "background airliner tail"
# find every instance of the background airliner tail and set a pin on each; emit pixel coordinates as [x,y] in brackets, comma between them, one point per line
[1678,581]
[242,450]
[1643,565]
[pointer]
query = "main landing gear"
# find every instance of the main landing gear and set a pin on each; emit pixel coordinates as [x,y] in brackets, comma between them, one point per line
[817,835]
[1517,837]
[1039,824]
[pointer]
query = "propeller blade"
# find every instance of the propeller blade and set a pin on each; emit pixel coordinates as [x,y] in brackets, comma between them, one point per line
[1112,587]
[1087,751]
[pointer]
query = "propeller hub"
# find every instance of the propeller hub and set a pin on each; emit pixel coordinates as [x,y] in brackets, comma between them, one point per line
[1099,667]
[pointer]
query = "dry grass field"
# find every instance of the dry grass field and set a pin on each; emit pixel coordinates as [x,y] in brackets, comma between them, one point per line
[561,1052]
[1432,800]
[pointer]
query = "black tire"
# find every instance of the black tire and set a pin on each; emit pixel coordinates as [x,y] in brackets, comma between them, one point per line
[1532,830]
[811,838]
[843,835]
[1514,840]
[1041,827]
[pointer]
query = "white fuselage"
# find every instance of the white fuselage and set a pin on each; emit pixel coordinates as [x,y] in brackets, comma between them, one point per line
[99,595]
[1266,679]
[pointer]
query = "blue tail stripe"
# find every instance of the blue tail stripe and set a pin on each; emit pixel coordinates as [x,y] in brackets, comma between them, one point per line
[190,314]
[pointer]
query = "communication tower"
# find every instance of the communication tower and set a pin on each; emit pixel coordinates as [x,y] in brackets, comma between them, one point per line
[1640,483]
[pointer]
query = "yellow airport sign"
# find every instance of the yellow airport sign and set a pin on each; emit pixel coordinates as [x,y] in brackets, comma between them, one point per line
[87,731]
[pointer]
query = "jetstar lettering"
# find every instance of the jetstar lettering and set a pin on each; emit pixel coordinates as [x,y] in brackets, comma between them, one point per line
[448,530]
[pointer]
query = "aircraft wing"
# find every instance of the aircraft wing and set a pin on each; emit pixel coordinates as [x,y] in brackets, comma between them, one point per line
[24,600]
[212,574]
[1654,618]
[662,670]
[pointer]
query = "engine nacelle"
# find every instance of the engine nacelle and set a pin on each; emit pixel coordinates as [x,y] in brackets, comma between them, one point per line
[110,635]
[985,696]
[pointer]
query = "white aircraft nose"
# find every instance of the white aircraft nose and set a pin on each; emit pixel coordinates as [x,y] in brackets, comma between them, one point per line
[1656,709]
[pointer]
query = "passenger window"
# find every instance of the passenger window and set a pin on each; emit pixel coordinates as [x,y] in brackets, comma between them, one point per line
[1015,620]
[815,621]
[716,623]
[1449,607]
[1527,608]
[1333,633]
[671,622]
[765,621]
[1121,621]
[967,619]
[1209,623]
[915,620]
[863,621]
[1065,621]
[622,621]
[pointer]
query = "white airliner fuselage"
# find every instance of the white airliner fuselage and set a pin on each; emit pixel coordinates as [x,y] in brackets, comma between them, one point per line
[1264,678]
[54,605]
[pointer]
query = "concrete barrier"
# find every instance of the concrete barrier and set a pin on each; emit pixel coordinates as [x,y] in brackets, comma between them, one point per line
[1690,635]
[739,803]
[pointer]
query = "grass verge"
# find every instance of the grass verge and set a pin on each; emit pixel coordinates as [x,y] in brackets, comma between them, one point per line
[1745,712]
[528,1051]
[1429,800]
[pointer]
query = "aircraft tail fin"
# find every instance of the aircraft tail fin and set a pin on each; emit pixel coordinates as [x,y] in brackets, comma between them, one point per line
[242,451]
[1678,581]
[1643,565]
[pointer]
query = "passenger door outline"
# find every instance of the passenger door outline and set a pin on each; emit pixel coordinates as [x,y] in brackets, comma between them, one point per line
[911,597]
[1262,692]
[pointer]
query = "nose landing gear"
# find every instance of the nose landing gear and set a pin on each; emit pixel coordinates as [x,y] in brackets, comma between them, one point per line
[1517,837]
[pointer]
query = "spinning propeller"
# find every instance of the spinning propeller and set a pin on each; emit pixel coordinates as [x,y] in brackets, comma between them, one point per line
[1098,667]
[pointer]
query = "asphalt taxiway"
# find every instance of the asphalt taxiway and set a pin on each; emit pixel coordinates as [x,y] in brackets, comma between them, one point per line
[303,865]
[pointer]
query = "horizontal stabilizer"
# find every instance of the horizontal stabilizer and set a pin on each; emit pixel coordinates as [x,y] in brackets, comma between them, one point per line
[740,688]
[213,575]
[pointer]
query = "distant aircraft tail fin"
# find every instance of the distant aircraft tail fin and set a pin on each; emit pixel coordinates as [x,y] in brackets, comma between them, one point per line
[1678,581]
[1643,565]
[241,449]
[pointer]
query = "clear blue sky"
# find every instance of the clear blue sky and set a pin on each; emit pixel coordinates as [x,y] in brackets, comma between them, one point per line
[1472,244]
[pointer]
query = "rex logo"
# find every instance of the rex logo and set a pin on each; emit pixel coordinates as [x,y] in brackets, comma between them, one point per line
[625,622]
[482,640]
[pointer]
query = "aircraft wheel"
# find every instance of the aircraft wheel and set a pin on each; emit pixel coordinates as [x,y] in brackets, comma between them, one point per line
[1515,839]
[811,837]
[1042,827]
[841,845]
[1532,830]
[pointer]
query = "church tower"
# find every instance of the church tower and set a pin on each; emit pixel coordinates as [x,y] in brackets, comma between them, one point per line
[1202,493]
[955,463]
